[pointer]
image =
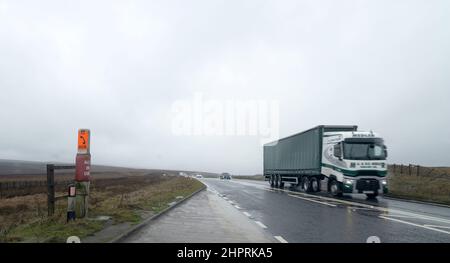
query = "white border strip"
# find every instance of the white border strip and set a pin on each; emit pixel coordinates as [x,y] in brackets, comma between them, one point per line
[261,224]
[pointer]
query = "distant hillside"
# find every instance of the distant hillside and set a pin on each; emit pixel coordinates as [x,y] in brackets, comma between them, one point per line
[10,167]
[17,167]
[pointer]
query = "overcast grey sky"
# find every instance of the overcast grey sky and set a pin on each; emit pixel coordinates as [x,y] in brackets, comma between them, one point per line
[117,67]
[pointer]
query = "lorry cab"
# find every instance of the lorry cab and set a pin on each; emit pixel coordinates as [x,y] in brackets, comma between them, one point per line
[355,161]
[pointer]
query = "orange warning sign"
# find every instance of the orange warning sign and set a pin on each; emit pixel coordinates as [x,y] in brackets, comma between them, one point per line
[83,140]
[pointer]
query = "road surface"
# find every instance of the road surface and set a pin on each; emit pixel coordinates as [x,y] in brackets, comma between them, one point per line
[250,211]
[205,218]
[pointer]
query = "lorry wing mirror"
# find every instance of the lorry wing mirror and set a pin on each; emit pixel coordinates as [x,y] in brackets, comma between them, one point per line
[337,151]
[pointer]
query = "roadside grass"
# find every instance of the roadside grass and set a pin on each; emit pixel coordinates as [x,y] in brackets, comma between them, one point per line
[129,199]
[53,230]
[421,188]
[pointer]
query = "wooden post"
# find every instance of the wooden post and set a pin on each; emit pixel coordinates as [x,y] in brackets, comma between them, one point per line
[409,169]
[401,168]
[50,189]
[418,168]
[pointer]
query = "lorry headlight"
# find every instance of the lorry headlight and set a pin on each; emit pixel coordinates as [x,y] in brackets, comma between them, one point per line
[383,182]
[348,181]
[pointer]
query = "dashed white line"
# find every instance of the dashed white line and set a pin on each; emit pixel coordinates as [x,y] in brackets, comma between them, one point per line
[414,224]
[247,214]
[312,200]
[281,239]
[238,207]
[261,224]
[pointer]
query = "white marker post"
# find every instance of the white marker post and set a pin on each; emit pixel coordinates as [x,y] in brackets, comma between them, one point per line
[71,195]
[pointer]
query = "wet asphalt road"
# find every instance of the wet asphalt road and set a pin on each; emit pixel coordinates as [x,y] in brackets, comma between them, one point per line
[233,211]
[301,217]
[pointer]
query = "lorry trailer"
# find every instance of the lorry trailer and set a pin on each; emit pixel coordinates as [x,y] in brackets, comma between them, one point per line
[335,158]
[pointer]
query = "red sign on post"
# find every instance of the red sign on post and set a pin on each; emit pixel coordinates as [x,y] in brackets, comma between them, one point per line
[83,168]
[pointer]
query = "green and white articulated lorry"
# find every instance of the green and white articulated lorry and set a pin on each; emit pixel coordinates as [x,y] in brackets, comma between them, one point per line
[337,159]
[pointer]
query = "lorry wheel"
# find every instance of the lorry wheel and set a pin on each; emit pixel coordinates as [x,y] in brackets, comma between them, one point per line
[271,181]
[276,181]
[315,184]
[372,196]
[335,188]
[280,183]
[306,184]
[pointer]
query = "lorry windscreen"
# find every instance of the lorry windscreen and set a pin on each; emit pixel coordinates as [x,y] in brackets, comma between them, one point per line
[364,149]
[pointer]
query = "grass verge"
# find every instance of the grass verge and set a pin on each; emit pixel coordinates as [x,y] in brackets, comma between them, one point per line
[130,199]
[420,188]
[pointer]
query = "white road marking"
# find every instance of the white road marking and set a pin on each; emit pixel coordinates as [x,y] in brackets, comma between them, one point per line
[402,216]
[414,224]
[238,207]
[419,216]
[260,224]
[226,198]
[281,239]
[315,201]
[247,214]
[437,226]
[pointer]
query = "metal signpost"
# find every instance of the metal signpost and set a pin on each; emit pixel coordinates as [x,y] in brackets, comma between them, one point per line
[78,193]
[82,173]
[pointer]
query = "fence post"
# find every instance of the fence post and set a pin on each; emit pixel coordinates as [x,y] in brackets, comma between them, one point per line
[394,167]
[401,168]
[409,169]
[418,168]
[50,189]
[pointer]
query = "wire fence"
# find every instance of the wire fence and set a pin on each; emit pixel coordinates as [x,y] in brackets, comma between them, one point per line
[22,187]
